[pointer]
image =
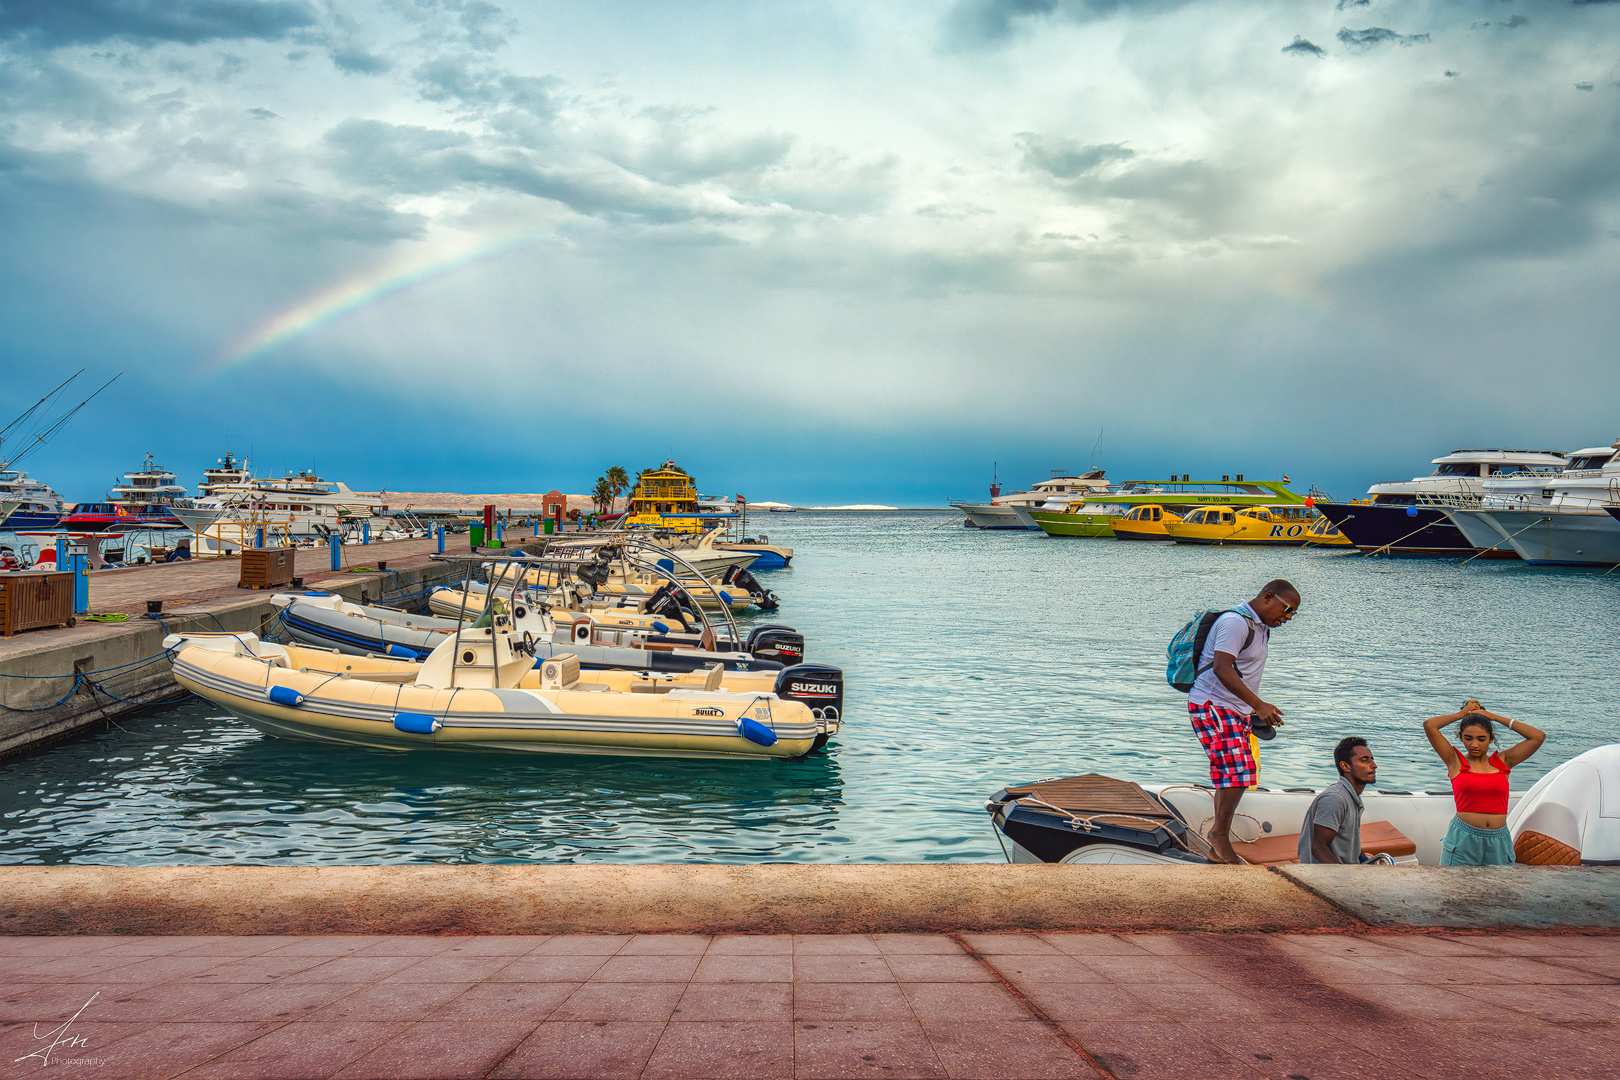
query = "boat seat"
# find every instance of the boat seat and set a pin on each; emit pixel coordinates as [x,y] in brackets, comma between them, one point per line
[1377,838]
[1538,849]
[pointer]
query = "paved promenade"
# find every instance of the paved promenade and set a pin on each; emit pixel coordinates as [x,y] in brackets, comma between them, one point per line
[1286,1006]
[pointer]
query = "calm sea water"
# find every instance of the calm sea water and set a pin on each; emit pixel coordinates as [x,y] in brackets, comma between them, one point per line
[974,659]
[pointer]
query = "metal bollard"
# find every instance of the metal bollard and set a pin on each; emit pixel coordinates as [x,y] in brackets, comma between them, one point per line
[337,551]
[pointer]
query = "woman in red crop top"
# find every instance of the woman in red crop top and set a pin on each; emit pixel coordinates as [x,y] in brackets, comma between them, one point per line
[1478,835]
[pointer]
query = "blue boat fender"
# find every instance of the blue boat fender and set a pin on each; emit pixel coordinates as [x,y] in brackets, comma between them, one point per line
[660,627]
[754,731]
[1411,511]
[286,696]
[403,651]
[725,597]
[415,723]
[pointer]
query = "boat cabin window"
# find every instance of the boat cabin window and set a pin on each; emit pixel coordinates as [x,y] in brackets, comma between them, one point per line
[1458,468]
[1228,517]
[1397,499]
[1596,461]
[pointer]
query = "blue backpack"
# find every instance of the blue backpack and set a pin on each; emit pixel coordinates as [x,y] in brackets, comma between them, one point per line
[1188,645]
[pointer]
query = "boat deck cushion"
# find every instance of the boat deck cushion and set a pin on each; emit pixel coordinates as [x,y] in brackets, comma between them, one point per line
[1377,838]
[1539,849]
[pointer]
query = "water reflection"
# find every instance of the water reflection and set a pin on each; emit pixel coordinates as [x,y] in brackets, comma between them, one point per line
[191,787]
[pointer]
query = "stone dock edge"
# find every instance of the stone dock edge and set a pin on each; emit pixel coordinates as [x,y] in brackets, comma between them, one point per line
[794,898]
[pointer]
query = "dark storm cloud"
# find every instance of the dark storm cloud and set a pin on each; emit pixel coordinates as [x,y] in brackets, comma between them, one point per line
[1068,159]
[977,22]
[1374,36]
[56,23]
[1342,4]
[360,62]
[1305,48]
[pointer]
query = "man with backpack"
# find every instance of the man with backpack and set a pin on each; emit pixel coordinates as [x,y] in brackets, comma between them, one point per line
[1227,653]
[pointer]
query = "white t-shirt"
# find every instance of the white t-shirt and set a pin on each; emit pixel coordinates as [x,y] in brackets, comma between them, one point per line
[1227,636]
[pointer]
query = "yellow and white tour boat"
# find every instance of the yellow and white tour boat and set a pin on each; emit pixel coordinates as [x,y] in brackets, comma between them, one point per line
[1148,522]
[1254,526]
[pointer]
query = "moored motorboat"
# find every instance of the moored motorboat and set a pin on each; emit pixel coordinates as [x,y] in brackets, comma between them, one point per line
[1397,517]
[1001,512]
[1099,819]
[1150,522]
[1256,526]
[1095,516]
[481,690]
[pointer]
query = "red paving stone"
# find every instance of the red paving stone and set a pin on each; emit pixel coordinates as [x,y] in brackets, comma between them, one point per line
[760,1007]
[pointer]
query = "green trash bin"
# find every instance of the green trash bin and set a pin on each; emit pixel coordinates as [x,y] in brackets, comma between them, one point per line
[477,533]
[549,526]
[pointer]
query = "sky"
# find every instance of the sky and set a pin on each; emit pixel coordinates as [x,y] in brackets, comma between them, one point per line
[818,253]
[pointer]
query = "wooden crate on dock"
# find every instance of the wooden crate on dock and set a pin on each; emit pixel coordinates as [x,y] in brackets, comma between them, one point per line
[266,568]
[31,599]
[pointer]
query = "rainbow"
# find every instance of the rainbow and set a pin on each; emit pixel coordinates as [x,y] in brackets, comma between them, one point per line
[363,290]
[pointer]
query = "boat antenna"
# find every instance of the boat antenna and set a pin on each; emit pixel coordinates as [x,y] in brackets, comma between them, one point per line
[1096,449]
[39,438]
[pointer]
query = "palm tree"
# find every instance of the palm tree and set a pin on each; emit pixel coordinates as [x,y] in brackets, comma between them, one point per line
[602,495]
[618,481]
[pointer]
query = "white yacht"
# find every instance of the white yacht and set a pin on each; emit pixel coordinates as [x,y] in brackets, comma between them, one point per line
[1404,517]
[150,485]
[25,503]
[1001,512]
[1565,520]
[298,506]
[229,471]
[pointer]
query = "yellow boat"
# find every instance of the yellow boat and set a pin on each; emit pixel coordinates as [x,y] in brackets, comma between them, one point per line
[1254,526]
[664,498]
[1147,522]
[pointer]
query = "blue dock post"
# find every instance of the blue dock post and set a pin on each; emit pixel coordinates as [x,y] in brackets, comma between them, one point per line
[365,531]
[337,551]
[259,541]
[80,558]
[61,551]
[500,529]
[441,538]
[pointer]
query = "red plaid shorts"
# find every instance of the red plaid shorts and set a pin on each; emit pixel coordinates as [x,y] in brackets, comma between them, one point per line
[1225,735]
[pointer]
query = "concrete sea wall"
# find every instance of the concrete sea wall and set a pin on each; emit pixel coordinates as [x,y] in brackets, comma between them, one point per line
[57,682]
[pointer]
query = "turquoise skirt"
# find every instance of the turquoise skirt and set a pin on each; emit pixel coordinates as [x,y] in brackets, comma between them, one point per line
[1466,845]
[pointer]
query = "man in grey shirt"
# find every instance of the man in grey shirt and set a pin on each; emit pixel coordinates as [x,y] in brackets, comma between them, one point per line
[1331,832]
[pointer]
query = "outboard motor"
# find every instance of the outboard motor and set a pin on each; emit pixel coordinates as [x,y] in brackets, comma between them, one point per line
[774,641]
[666,605]
[742,579]
[818,686]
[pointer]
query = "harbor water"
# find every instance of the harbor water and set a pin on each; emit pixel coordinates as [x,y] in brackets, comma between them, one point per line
[973,660]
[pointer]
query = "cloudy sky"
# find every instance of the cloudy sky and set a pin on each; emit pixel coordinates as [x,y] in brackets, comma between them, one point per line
[817,252]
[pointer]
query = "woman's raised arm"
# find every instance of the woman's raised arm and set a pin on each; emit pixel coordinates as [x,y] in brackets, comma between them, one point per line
[1442,746]
[1531,738]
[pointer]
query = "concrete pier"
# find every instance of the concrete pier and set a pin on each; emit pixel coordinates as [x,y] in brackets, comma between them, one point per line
[56,682]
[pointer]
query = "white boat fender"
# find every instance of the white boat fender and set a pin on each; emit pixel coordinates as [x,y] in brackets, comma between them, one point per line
[286,696]
[415,723]
[756,732]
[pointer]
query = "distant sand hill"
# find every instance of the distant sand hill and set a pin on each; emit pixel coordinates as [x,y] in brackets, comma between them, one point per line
[452,501]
